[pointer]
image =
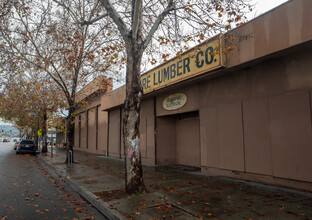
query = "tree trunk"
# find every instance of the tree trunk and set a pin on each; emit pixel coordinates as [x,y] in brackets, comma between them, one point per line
[44,133]
[134,174]
[70,134]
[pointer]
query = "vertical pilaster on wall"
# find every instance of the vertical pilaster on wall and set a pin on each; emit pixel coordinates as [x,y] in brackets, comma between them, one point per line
[244,150]
[120,131]
[79,127]
[155,131]
[257,139]
[310,96]
[230,137]
[87,128]
[108,122]
[96,126]
[269,136]
[291,135]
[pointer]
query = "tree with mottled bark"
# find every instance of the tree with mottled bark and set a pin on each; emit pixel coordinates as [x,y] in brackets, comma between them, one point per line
[148,29]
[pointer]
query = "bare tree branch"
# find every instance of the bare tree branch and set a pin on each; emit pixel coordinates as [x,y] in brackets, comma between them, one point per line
[73,14]
[158,21]
[5,7]
[136,16]
[94,20]
[124,31]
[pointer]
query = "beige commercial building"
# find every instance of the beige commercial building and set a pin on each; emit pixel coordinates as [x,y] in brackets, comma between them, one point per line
[243,111]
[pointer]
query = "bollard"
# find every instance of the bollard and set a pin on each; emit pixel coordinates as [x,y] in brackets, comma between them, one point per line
[70,158]
[52,149]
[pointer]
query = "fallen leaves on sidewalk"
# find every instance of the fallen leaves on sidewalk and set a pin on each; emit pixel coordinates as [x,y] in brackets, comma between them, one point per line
[112,195]
[164,207]
[79,209]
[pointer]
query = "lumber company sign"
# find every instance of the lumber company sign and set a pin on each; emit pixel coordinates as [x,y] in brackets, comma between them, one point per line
[200,59]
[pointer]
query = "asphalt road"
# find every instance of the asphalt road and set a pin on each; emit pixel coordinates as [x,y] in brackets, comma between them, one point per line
[27,191]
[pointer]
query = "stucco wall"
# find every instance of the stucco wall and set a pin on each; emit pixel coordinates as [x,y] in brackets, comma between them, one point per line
[166,140]
[192,103]
[187,141]
[91,140]
[282,28]
[83,131]
[114,145]
[147,138]
[102,132]
[147,134]
[91,130]
[254,115]
[76,135]
[258,120]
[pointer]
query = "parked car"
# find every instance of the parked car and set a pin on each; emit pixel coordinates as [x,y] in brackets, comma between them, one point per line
[26,147]
[6,140]
[15,140]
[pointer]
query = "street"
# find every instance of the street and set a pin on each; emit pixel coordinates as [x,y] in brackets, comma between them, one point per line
[27,191]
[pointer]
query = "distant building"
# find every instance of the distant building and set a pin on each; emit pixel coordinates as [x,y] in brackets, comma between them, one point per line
[91,93]
[9,130]
[244,114]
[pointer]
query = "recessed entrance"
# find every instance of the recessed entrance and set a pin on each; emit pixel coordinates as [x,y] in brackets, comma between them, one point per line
[178,139]
[187,139]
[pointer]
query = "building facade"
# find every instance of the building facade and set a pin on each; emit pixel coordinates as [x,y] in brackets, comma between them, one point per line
[243,113]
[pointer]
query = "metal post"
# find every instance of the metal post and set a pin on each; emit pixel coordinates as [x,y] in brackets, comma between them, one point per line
[70,158]
[52,146]
[38,134]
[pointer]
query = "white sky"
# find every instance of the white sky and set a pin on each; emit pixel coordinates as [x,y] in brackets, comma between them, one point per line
[261,6]
[4,123]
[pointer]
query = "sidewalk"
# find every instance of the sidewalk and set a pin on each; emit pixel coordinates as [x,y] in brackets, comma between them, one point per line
[176,192]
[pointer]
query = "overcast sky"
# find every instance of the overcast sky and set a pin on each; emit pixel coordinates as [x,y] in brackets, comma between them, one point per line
[3,123]
[261,6]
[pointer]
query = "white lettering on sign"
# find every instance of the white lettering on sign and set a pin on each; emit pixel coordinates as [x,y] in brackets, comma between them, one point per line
[174,101]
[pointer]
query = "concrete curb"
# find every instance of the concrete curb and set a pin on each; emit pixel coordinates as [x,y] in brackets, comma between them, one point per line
[99,204]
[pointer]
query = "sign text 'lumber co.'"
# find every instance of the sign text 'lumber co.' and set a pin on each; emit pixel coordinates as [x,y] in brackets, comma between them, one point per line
[196,61]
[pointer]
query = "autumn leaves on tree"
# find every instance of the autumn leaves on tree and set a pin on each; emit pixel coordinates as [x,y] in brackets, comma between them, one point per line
[143,25]
[46,37]
[73,42]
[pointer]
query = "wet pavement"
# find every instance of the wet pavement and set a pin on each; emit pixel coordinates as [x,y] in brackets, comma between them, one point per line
[28,192]
[178,192]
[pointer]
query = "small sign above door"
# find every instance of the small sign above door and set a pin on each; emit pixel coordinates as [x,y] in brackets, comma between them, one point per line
[174,101]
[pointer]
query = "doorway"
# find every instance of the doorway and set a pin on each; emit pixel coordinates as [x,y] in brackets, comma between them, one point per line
[178,140]
[187,139]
